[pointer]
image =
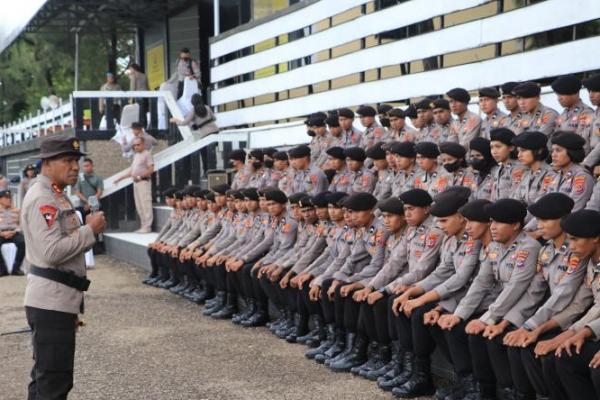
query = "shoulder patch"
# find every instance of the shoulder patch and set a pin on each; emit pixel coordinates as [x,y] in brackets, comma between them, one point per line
[432,239]
[49,212]
[579,184]
[521,257]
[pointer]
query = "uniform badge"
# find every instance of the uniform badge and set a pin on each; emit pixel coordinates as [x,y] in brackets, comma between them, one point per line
[579,184]
[49,213]
[492,255]
[469,246]
[573,264]
[286,228]
[432,240]
[521,258]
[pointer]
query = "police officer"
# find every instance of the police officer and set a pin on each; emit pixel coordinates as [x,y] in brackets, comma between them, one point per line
[350,135]
[509,100]
[335,131]
[424,111]
[320,142]
[427,156]
[592,84]
[484,166]
[534,115]
[153,252]
[383,114]
[283,173]
[383,172]
[242,175]
[507,176]
[307,177]
[532,153]
[337,162]
[488,104]
[576,117]
[467,125]
[411,113]
[360,178]
[442,127]
[399,131]
[373,131]
[10,232]
[405,168]
[452,156]
[259,175]
[55,244]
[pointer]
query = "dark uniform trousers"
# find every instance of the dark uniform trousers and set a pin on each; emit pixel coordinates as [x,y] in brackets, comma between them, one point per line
[377,322]
[18,241]
[53,342]
[402,326]
[327,305]
[307,308]
[579,380]
[346,310]
[254,287]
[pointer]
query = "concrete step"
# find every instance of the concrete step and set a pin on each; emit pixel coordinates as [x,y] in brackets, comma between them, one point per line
[129,247]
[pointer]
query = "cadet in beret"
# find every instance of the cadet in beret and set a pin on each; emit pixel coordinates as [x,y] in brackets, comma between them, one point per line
[453,159]
[534,115]
[503,278]
[576,116]
[578,353]
[571,178]
[361,179]
[373,300]
[467,125]
[438,294]
[424,109]
[429,169]
[307,177]
[398,130]
[509,100]
[335,131]
[242,173]
[411,113]
[337,162]
[350,135]
[373,131]
[484,168]
[320,142]
[592,84]
[442,127]
[488,104]
[382,112]
[507,176]
[416,257]
[532,154]
[259,174]
[559,272]
[280,172]
[169,197]
[405,167]
[385,174]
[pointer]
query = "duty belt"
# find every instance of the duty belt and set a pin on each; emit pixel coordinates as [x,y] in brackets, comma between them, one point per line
[66,278]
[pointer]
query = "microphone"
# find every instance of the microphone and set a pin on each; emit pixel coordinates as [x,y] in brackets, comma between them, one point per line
[94,203]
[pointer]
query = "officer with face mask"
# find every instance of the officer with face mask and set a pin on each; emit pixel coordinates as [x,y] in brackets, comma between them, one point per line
[483,166]
[452,156]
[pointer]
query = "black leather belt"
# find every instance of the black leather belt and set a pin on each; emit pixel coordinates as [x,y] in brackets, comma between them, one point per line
[66,278]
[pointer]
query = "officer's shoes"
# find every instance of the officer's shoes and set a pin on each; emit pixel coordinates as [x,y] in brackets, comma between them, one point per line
[463,388]
[178,288]
[148,279]
[247,312]
[216,305]
[387,382]
[324,344]
[419,384]
[259,318]
[338,346]
[201,296]
[275,325]
[375,374]
[357,356]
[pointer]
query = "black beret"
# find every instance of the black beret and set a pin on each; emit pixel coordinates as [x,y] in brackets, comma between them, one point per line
[592,83]
[425,104]
[507,211]
[411,111]
[316,121]
[221,189]
[416,197]
[403,149]
[450,201]
[201,193]
[318,114]
[299,151]
[258,154]
[491,92]
[531,140]
[306,202]
[137,125]
[277,196]
[441,103]
[427,149]
[508,87]
[251,194]
[582,224]
[296,197]
[459,94]
[454,149]
[263,190]
[210,196]
[336,152]
[387,146]
[169,192]
[189,190]
[239,155]
[239,194]
[526,89]
[482,145]
[179,194]
[269,151]
[568,140]
[231,193]
[366,111]
[280,155]
[392,205]
[355,153]
[361,201]
[345,112]
[5,192]
[333,121]
[384,108]
[475,210]
[398,113]
[335,199]
[552,206]
[320,199]
[503,135]
[376,151]
[568,84]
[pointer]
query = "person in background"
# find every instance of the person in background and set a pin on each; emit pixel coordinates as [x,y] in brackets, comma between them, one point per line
[141,170]
[186,67]
[110,85]
[89,188]
[201,119]
[138,131]
[138,82]
[29,173]
[10,232]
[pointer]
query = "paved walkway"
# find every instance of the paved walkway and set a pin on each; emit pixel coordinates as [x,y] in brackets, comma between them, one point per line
[143,343]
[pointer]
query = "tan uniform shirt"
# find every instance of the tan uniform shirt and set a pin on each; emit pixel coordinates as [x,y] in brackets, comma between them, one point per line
[141,162]
[54,238]
[577,119]
[466,128]
[496,119]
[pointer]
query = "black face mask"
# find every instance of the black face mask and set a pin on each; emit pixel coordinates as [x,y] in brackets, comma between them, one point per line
[311,133]
[269,163]
[257,164]
[479,164]
[452,167]
[385,122]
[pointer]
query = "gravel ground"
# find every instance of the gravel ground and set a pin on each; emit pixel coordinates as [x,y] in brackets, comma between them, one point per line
[144,343]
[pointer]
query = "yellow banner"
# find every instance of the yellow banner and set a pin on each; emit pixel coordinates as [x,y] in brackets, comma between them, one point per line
[155,66]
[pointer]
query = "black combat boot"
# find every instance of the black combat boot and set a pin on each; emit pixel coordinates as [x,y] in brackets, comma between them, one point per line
[325,344]
[336,347]
[393,366]
[419,384]
[356,357]
[313,337]
[388,383]
[228,309]
[371,353]
[215,305]
[379,361]
[246,313]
